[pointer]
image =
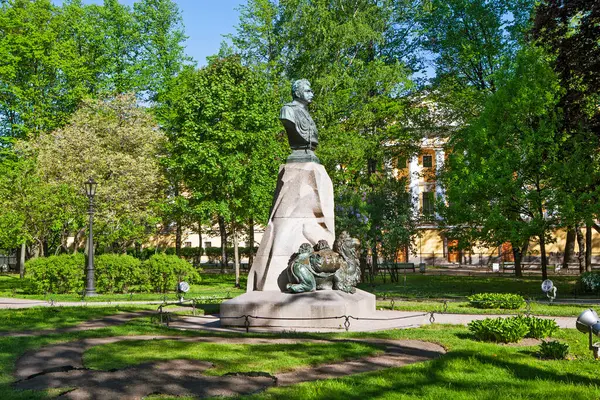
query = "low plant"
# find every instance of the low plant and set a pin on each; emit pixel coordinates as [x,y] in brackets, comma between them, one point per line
[505,330]
[165,271]
[512,329]
[507,301]
[590,282]
[57,274]
[539,327]
[554,350]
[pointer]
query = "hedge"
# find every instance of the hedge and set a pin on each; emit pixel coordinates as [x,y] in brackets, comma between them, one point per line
[497,300]
[57,274]
[116,273]
[166,271]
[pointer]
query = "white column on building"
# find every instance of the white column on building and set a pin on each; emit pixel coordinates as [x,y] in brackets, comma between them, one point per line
[414,175]
[439,163]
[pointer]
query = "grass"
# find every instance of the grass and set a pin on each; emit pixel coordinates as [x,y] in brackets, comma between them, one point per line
[53,317]
[419,286]
[470,370]
[463,307]
[268,358]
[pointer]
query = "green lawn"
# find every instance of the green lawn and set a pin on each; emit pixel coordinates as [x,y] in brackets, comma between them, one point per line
[449,286]
[470,370]
[230,358]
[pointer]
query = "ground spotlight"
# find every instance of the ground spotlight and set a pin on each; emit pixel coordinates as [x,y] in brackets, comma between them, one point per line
[588,322]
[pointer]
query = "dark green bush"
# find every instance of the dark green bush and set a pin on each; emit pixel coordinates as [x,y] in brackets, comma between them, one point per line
[590,282]
[57,274]
[505,330]
[554,350]
[540,328]
[512,329]
[116,273]
[507,301]
[165,271]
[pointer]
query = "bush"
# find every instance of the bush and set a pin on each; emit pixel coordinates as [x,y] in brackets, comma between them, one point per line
[57,274]
[165,271]
[512,329]
[116,273]
[540,328]
[590,282]
[554,350]
[507,301]
[505,330]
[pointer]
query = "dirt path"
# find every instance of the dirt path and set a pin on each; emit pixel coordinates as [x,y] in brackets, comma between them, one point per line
[61,365]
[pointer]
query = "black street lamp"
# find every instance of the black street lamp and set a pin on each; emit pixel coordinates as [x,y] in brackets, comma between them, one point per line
[90,190]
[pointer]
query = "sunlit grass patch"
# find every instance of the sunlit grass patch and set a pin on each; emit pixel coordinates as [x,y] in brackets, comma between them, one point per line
[270,358]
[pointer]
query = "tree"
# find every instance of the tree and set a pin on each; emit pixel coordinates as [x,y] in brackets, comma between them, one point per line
[569,31]
[499,178]
[352,53]
[224,142]
[468,41]
[118,144]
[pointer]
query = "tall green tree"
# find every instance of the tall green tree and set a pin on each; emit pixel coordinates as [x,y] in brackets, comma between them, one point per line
[356,59]
[499,177]
[225,142]
[570,31]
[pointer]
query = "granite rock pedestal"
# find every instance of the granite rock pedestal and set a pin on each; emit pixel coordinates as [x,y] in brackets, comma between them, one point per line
[302,212]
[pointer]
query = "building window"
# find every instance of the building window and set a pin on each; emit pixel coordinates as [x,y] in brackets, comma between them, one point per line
[401,163]
[207,245]
[428,204]
[427,161]
[187,244]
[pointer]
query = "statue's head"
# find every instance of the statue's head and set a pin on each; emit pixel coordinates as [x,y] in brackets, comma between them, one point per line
[305,248]
[301,91]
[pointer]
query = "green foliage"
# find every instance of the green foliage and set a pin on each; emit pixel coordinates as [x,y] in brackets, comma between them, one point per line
[116,273]
[554,350]
[512,329]
[118,143]
[505,330]
[57,274]
[497,300]
[540,327]
[499,178]
[590,282]
[166,271]
[223,140]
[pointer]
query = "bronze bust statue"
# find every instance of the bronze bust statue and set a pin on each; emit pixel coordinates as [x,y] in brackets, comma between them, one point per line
[301,129]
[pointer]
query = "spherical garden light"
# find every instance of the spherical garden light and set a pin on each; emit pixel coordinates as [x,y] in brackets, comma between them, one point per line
[90,190]
[588,322]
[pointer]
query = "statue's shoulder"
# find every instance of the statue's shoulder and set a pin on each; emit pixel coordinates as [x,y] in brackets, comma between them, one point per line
[288,111]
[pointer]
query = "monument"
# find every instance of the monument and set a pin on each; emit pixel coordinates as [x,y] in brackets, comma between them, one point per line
[297,279]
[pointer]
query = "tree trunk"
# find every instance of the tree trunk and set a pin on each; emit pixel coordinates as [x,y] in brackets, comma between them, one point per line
[236,257]
[569,248]
[223,232]
[178,239]
[374,261]
[544,259]
[22,260]
[251,242]
[518,253]
[581,248]
[588,248]
[199,253]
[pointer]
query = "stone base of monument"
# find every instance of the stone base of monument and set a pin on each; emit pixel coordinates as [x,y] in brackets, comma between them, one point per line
[307,310]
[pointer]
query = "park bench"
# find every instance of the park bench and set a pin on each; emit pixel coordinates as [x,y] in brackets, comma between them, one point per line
[393,268]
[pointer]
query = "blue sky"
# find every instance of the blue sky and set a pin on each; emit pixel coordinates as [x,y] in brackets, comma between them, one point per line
[206,21]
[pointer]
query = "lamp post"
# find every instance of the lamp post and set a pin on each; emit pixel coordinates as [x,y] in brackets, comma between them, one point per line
[90,190]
